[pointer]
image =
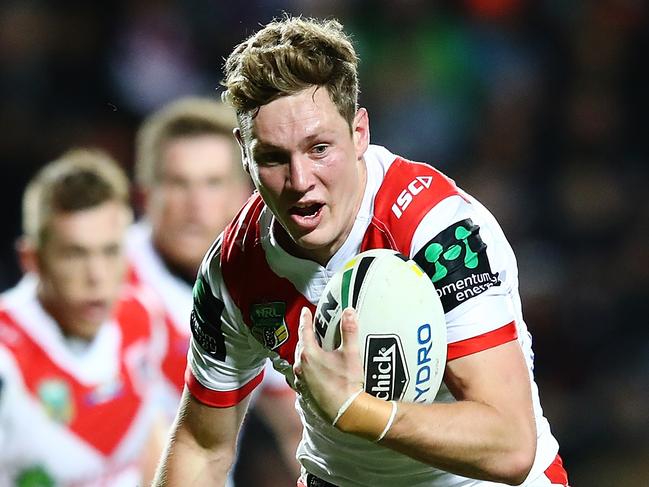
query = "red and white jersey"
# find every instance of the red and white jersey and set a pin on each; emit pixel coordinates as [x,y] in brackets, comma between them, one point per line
[75,413]
[250,292]
[147,268]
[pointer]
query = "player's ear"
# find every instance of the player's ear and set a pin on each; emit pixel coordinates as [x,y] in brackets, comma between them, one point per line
[361,132]
[27,251]
[242,145]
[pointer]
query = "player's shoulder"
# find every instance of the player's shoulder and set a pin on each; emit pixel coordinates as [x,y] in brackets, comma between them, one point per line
[408,191]
[16,307]
[455,215]
[137,311]
[13,344]
[239,254]
[460,245]
[11,334]
[410,185]
[242,233]
[18,347]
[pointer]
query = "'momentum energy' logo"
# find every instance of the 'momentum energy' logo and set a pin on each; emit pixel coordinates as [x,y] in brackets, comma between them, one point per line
[386,374]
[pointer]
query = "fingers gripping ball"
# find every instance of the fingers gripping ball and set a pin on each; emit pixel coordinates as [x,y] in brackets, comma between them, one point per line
[402,330]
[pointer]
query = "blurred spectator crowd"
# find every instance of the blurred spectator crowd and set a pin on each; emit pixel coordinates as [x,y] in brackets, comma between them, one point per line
[537,108]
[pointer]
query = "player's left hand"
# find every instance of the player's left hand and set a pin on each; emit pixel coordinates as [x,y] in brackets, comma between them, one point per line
[330,377]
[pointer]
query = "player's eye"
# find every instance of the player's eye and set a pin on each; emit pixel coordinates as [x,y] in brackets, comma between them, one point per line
[214,183]
[72,252]
[319,149]
[112,250]
[271,158]
[175,183]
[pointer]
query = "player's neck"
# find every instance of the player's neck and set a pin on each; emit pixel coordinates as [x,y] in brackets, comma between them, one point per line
[78,334]
[186,273]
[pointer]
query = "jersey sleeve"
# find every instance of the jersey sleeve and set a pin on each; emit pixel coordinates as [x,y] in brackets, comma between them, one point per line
[156,344]
[225,363]
[460,246]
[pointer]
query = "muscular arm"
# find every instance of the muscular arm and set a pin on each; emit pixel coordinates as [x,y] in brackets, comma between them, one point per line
[201,446]
[153,448]
[489,433]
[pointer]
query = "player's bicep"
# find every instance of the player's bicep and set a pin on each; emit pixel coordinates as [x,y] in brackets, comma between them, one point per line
[206,320]
[497,377]
[225,363]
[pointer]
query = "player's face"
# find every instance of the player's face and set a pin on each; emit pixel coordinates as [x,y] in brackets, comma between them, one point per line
[81,266]
[308,166]
[199,191]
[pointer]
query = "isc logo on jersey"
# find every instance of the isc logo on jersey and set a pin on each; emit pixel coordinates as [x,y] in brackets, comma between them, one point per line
[402,330]
[406,196]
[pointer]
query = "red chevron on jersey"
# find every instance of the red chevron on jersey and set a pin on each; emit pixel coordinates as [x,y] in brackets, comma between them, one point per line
[100,416]
[408,192]
[174,361]
[243,257]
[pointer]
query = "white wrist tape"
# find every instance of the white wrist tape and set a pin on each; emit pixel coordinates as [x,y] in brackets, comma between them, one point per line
[393,414]
[345,406]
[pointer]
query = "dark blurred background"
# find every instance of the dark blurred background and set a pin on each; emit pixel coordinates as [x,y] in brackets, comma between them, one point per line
[535,107]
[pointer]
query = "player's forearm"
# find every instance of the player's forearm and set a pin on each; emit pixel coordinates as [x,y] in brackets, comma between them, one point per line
[184,462]
[154,449]
[467,438]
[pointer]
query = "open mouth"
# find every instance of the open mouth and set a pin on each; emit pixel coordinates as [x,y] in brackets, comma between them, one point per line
[95,306]
[309,211]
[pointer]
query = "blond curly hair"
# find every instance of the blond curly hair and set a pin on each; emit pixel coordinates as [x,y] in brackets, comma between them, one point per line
[286,57]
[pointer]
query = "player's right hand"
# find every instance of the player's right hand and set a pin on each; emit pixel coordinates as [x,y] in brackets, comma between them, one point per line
[329,377]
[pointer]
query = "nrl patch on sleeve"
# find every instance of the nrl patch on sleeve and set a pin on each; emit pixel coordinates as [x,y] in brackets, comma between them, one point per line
[269,324]
[206,320]
[456,261]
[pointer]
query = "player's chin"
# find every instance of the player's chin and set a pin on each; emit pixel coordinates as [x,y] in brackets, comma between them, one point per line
[316,243]
[86,328]
[191,245]
[306,237]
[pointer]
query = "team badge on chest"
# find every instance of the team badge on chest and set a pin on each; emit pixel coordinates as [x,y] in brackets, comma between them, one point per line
[56,397]
[268,323]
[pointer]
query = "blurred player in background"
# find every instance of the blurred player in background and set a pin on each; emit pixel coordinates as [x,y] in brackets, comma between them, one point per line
[326,194]
[79,350]
[189,171]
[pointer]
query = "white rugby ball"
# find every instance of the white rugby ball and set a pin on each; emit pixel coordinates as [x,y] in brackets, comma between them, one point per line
[402,336]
